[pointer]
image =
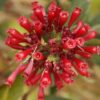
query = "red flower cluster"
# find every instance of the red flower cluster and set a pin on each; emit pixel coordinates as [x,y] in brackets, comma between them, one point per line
[51,47]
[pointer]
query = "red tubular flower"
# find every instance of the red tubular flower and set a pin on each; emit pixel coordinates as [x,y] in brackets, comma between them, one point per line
[90,36]
[40,13]
[13,43]
[38,28]
[10,80]
[80,41]
[41,93]
[29,68]
[45,79]
[63,16]
[50,47]
[67,78]
[25,23]
[69,44]
[14,33]
[83,54]
[78,27]
[52,12]
[81,31]
[66,64]
[74,16]
[81,67]
[91,49]
[22,55]
[32,78]
[58,80]
[38,56]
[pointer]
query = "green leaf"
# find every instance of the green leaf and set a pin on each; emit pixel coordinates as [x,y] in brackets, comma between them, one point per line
[96,59]
[53,90]
[54,98]
[95,42]
[4,92]
[14,92]
[33,95]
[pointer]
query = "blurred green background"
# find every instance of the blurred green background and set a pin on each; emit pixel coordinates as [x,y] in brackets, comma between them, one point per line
[83,88]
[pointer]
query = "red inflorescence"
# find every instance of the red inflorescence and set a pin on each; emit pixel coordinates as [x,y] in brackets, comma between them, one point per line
[51,47]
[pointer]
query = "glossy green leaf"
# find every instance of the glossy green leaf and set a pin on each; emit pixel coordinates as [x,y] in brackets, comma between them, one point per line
[95,42]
